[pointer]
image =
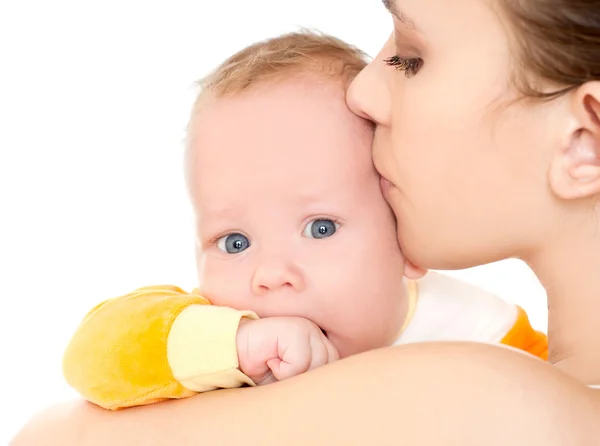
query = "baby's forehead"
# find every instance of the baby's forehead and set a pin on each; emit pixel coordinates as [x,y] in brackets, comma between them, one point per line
[298,124]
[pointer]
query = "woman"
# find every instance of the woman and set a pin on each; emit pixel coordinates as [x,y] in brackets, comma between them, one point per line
[488,132]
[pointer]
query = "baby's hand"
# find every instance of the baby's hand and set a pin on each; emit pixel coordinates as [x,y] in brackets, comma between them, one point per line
[276,348]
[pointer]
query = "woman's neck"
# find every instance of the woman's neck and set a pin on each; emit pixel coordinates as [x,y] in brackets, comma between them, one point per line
[569,269]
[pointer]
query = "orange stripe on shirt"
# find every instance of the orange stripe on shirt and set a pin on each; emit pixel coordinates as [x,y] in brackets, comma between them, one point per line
[523,336]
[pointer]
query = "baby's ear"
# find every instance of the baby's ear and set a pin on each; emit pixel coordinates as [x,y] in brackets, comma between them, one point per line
[413,272]
[575,169]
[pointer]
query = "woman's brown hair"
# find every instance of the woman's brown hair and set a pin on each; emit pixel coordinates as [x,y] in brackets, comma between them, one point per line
[559,44]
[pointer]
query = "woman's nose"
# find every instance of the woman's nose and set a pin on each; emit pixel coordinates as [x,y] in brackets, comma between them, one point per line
[369,94]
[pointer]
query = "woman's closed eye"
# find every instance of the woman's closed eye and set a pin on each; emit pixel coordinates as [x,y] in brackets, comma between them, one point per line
[410,66]
[321,228]
[233,243]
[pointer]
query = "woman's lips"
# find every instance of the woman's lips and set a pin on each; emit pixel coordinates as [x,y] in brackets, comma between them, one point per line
[385,186]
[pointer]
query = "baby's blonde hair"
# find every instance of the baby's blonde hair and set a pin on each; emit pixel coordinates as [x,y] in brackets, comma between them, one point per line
[298,53]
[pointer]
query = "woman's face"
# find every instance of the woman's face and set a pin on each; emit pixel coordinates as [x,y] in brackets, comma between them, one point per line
[467,167]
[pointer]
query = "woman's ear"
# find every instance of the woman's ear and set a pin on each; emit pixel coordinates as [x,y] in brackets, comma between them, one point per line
[575,169]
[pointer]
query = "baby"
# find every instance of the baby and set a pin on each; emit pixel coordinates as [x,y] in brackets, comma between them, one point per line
[297,255]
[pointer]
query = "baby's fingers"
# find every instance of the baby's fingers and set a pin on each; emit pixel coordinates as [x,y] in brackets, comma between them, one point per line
[294,360]
[322,351]
[332,353]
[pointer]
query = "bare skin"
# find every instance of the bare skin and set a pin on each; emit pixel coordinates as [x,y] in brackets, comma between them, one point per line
[573,305]
[372,398]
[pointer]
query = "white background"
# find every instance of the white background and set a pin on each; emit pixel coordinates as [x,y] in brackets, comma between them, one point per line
[94,99]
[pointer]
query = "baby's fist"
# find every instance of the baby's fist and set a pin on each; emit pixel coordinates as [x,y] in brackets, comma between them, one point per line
[276,348]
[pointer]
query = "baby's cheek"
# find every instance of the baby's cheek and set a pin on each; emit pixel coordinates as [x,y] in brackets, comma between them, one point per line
[217,283]
[345,349]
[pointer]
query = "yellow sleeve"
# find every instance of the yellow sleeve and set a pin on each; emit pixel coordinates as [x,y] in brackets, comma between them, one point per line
[523,336]
[153,344]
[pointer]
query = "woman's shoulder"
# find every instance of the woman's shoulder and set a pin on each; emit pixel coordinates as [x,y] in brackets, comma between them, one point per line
[488,394]
[430,394]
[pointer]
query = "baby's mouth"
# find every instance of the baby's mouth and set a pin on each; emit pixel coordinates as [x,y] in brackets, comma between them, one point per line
[325,333]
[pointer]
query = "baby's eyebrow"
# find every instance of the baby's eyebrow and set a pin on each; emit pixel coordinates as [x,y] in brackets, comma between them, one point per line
[312,198]
[209,216]
[318,203]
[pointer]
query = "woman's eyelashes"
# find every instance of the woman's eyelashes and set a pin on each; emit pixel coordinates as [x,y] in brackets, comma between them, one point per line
[320,228]
[410,66]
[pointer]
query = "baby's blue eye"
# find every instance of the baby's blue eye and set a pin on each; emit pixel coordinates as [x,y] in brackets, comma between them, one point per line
[321,228]
[233,243]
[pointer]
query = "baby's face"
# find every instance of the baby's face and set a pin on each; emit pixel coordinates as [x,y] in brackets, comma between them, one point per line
[290,216]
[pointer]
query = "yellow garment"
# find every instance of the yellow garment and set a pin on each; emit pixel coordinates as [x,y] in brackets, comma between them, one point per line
[154,344]
[160,342]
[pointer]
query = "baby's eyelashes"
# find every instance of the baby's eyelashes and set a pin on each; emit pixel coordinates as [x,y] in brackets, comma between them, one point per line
[233,243]
[321,228]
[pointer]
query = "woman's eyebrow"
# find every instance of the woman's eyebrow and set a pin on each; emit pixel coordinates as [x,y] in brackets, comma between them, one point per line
[390,5]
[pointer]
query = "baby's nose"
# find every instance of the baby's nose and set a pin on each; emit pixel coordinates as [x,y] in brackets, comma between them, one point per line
[272,276]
